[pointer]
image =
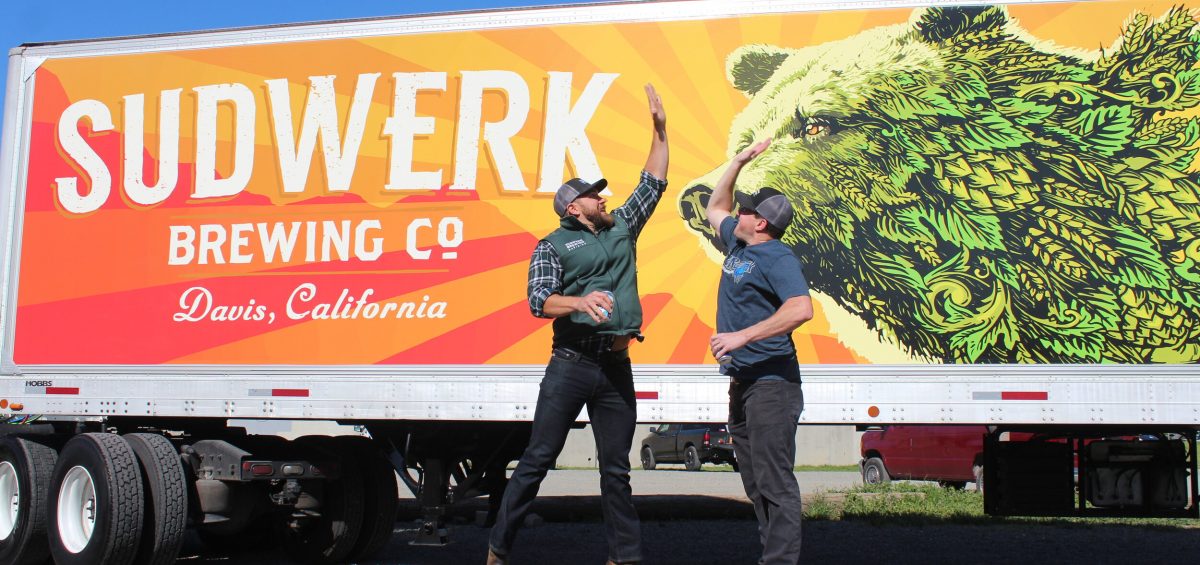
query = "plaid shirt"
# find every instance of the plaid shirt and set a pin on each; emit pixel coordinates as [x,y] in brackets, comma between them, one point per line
[545,270]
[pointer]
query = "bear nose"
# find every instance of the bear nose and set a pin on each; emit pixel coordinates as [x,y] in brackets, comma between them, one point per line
[693,204]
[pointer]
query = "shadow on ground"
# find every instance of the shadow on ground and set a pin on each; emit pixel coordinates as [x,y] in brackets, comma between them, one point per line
[678,530]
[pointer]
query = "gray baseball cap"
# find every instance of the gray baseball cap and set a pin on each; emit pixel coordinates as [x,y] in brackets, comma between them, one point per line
[769,203]
[572,189]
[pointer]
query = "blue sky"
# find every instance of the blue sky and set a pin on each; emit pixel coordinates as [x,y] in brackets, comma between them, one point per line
[28,21]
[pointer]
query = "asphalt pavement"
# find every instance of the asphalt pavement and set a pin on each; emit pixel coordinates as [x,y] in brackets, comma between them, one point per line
[704,518]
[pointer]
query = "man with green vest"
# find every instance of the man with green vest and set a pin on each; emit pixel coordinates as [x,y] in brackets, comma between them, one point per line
[584,276]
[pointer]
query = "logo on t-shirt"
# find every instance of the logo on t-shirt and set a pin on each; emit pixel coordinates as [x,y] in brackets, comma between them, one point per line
[737,268]
[573,245]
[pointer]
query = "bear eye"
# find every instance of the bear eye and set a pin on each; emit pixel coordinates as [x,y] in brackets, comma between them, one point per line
[810,128]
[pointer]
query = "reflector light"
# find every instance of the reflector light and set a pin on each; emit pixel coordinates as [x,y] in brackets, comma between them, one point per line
[262,469]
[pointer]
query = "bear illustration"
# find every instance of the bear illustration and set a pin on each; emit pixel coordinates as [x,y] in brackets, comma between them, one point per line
[974,195]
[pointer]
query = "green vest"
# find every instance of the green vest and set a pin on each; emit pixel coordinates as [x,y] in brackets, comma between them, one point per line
[597,261]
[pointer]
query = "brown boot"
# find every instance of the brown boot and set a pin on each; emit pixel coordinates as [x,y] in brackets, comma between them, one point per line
[494,559]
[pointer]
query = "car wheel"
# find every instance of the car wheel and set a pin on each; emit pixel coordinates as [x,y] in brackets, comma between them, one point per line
[874,473]
[648,462]
[691,458]
[978,469]
[953,485]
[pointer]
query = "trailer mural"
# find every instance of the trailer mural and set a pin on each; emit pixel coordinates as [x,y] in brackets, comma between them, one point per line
[975,185]
[977,196]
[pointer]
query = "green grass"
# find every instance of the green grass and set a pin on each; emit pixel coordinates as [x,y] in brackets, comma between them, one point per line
[720,468]
[799,468]
[826,468]
[920,505]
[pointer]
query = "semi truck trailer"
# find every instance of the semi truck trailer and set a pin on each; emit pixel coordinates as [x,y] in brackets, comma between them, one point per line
[997,207]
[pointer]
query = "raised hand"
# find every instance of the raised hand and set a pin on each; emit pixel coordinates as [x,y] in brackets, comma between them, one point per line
[751,152]
[657,114]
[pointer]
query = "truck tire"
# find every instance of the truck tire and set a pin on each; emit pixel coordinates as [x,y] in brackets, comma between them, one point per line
[25,468]
[874,473]
[381,499]
[329,535]
[96,502]
[691,458]
[165,513]
[648,462]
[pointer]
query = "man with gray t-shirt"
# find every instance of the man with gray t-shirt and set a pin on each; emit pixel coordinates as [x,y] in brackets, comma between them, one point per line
[762,298]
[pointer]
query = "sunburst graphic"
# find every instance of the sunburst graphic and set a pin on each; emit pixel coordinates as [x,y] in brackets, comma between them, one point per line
[99,288]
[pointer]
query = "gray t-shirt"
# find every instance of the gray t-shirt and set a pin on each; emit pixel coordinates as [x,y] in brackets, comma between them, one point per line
[755,281]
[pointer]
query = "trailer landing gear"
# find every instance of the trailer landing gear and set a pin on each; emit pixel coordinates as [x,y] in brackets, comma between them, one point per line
[451,462]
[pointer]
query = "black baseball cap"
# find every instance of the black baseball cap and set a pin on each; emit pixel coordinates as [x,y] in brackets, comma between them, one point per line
[572,189]
[769,203]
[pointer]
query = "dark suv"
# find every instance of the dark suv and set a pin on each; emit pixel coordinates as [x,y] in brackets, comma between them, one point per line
[690,444]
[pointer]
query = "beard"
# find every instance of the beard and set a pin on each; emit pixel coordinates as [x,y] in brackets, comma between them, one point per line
[601,219]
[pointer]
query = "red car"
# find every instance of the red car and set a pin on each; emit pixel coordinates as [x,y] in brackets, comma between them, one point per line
[950,455]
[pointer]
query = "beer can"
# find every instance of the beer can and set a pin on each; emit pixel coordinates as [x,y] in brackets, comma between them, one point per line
[604,310]
[725,360]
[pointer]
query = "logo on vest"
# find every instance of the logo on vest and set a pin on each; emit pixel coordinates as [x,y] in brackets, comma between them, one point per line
[573,245]
[737,268]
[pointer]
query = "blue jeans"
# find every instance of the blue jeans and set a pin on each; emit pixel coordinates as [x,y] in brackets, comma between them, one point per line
[762,421]
[605,386]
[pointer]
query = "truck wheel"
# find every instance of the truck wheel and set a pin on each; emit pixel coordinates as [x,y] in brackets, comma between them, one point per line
[25,468]
[691,458]
[380,498]
[874,473]
[648,462]
[96,502]
[326,534]
[165,513]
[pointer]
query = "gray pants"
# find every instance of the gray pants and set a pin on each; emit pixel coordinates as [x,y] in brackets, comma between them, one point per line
[762,421]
